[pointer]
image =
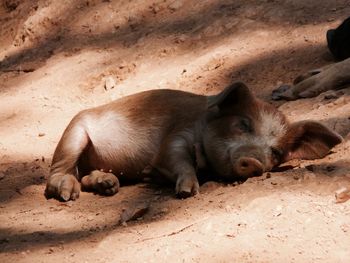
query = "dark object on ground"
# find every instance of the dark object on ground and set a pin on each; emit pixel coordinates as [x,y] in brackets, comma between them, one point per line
[339,40]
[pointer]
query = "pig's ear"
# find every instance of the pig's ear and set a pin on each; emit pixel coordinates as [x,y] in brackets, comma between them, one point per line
[309,140]
[237,94]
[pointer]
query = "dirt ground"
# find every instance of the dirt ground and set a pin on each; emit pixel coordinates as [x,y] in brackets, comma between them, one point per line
[59,57]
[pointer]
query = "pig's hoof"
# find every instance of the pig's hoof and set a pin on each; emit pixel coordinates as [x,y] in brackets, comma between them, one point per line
[283,92]
[64,187]
[186,187]
[100,182]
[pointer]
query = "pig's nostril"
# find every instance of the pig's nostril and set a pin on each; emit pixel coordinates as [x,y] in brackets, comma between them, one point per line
[244,164]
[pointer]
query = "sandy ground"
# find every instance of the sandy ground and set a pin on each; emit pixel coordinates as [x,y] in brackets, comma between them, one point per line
[56,58]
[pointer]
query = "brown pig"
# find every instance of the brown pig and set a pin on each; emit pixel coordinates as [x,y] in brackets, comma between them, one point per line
[172,133]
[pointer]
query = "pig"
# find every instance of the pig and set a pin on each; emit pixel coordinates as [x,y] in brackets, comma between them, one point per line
[173,133]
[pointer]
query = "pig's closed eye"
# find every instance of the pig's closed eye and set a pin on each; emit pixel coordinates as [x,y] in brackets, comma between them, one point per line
[245,125]
[277,154]
[240,125]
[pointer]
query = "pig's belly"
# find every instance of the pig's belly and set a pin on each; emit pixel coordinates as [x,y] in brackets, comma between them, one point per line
[118,145]
[121,161]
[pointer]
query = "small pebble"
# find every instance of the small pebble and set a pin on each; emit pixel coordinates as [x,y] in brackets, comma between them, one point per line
[342,195]
[175,5]
[109,83]
[296,177]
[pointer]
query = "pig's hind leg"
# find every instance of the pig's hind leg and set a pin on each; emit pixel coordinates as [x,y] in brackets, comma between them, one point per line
[62,182]
[301,83]
[315,82]
[100,182]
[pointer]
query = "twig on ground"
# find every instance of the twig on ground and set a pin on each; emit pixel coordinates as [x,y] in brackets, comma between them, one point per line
[169,234]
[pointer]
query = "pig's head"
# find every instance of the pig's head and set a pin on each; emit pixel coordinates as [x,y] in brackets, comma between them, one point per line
[245,137]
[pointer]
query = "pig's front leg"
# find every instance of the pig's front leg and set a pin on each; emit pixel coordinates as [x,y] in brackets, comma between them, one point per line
[186,182]
[175,161]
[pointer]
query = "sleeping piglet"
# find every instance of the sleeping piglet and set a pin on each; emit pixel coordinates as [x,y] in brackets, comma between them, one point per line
[172,133]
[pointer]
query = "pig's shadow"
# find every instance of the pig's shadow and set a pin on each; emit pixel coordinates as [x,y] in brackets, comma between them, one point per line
[154,197]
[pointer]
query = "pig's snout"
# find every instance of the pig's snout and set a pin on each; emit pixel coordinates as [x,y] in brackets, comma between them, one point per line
[249,167]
